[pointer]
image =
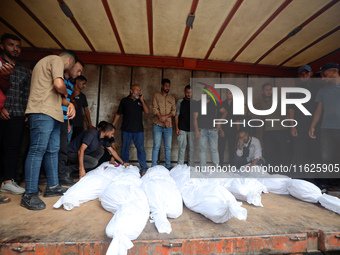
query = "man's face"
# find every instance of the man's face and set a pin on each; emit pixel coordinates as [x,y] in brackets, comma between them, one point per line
[166,87]
[11,48]
[76,70]
[68,64]
[187,93]
[229,95]
[81,84]
[267,91]
[305,75]
[109,134]
[243,136]
[135,92]
[328,75]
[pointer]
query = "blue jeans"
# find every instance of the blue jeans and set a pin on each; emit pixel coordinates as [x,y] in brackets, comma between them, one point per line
[158,131]
[211,136]
[186,138]
[138,140]
[45,142]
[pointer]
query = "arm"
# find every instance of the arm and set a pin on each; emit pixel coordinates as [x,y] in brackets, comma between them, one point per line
[176,125]
[257,152]
[71,111]
[145,107]
[60,86]
[223,116]
[116,156]
[239,151]
[81,153]
[197,132]
[290,115]
[87,115]
[5,71]
[116,118]
[316,118]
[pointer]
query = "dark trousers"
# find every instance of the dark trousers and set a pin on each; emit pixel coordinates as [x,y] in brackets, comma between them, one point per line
[230,136]
[90,160]
[277,147]
[329,138]
[62,155]
[76,131]
[10,137]
[23,150]
[242,161]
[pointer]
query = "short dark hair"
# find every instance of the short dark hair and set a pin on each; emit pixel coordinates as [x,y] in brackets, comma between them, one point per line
[6,36]
[266,84]
[69,54]
[165,81]
[242,130]
[187,87]
[108,127]
[80,62]
[81,78]
[101,124]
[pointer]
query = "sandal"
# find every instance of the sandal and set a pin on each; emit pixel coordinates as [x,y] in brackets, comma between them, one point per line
[4,199]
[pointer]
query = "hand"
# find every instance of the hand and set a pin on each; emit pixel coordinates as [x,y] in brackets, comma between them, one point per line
[141,97]
[112,161]
[71,111]
[177,131]
[4,115]
[293,131]
[311,133]
[167,124]
[68,128]
[126,164]
[82,173]
[6,70]
[221,132]
[91,127]
[197,134]
[240,142]
[163,118]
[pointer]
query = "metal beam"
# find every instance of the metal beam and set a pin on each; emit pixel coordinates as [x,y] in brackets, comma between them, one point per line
[150,25]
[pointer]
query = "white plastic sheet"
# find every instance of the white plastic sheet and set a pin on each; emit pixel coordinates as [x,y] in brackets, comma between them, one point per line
[128,202]
[246,189]
[304,190]
[276,184]
[89,187]
[164,198]
[330,202]
[213,201]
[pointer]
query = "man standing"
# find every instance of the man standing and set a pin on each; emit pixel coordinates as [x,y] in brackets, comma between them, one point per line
[132,108]
[205,130]
[182,124]
[328,104]
[12,116]
[47,93]
[69,77]
[85,151]
[164,108]
[81,102]
[249,150]
[276,138]
[306,150]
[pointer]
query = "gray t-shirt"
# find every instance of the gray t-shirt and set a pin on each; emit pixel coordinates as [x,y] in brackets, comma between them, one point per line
[330,97]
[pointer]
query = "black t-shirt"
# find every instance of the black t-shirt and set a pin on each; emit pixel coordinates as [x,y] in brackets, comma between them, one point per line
[132,111]
[81,104]
[91,138]
[184,115]
[207,121]
[304,121]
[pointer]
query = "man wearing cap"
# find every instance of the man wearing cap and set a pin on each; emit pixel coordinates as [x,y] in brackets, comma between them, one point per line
[328,99]
[306,150]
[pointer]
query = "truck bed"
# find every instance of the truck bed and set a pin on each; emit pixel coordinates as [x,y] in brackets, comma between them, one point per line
[284,225]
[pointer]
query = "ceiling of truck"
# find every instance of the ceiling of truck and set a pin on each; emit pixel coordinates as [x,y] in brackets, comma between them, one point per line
[246,31]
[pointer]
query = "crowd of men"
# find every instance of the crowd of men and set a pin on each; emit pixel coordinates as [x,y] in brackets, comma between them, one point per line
[48,101]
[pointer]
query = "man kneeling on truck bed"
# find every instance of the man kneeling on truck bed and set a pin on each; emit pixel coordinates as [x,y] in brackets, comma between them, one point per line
[85,150]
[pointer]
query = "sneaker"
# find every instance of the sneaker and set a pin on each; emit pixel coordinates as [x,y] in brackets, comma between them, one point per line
[54,192]
[32,202]
[12,187]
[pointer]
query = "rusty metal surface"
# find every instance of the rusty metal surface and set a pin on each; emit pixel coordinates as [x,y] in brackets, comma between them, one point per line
[329,241]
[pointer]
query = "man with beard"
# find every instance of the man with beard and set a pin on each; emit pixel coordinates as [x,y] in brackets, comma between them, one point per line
[85,150]
[65,128]
[16,79]
[182,124]
[306,150]
[164,108]
[132,108]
